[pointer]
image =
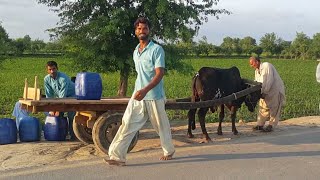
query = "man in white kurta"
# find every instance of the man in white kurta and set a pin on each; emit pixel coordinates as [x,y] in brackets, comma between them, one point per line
[273,94]
[318,72]
[318,75]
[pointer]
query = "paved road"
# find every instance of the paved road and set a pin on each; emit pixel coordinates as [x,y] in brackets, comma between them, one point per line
[289,155]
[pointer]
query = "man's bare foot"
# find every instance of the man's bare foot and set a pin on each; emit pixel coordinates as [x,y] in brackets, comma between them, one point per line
[166,158]
[114,162]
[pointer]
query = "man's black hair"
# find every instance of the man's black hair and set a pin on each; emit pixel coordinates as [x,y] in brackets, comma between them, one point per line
[142,20]
[52,63]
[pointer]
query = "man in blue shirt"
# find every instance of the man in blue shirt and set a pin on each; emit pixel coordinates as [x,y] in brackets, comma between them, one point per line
[147,101]
[59,85]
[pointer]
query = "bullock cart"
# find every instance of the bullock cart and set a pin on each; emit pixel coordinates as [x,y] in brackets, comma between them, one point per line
[97,121]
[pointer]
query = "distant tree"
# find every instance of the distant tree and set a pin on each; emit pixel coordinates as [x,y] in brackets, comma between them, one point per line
[248,45]
[301,45]
[102,33]
[37,45]
[216,49]
[315,46]
[22,45]
[286,51]
[279,46]
[227,46]
[4,43]
[257,50]
[185,48]
[269,43]
[204,47]
[230,46]
[27,42]
[56,46]
[236,47]
[19,46]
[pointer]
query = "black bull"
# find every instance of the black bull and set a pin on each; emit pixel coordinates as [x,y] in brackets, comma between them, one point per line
[214,83]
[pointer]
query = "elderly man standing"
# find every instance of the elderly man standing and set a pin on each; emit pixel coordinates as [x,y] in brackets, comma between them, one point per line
[318,75]
[318,71]
[273,94]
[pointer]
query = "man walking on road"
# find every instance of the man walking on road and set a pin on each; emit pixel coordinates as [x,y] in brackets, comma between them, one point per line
[147,101]
[273,94]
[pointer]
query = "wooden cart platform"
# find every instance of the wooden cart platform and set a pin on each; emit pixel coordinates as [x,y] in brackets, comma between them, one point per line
[97,121]
[118,104]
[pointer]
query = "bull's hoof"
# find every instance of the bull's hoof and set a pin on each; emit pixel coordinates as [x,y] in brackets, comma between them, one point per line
[268,129]
[206,141]
[219,133]
[235,132]
[257,128]
[190,135]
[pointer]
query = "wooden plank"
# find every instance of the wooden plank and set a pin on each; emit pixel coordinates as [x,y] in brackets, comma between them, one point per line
[56,101]
[211,103]
[82,107]
[72,104]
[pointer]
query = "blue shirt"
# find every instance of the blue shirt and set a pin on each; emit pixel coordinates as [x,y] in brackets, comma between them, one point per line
[145,63]
[60,87]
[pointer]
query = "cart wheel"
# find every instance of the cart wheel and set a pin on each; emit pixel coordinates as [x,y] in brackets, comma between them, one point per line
[83,133]
[105,129]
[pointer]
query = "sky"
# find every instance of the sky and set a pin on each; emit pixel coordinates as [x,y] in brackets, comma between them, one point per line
[252,18]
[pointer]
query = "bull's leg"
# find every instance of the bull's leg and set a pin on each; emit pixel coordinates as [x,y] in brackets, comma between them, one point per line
[233,119]
[221,117]
[191,122]
[202,114]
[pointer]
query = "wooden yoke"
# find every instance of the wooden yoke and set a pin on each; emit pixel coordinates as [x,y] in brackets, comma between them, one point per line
[31,93]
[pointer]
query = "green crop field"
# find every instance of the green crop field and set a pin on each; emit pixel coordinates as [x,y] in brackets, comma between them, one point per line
[302,90]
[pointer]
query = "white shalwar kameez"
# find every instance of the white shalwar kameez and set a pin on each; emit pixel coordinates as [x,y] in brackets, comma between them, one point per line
[318,75]
[274,92]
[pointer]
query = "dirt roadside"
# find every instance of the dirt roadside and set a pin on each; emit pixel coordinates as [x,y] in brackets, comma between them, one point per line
[22,155]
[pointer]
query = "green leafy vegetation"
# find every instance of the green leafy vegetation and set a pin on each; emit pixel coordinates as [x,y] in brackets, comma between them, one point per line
[302,90]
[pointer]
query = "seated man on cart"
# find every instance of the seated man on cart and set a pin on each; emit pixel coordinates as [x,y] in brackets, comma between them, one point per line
[59,85]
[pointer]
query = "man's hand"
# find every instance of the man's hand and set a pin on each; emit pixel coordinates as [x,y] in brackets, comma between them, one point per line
[54,113]
[139,95]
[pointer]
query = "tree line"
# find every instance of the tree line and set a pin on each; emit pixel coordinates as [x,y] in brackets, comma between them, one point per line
[270,45]
[26,45]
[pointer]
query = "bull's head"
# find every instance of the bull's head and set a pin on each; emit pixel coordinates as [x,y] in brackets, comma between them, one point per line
[252,99]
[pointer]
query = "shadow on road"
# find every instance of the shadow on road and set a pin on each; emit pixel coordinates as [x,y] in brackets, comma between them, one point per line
[218,157]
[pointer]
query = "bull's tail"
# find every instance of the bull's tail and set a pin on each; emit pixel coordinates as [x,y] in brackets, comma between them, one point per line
[195,94]
[195,97]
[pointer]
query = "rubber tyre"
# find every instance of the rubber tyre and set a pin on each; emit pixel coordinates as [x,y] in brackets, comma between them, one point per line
[83,133]
[105,129]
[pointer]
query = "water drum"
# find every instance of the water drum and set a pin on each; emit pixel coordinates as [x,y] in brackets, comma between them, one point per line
[88,86]
[8,131]
[29,129]
[55,128]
